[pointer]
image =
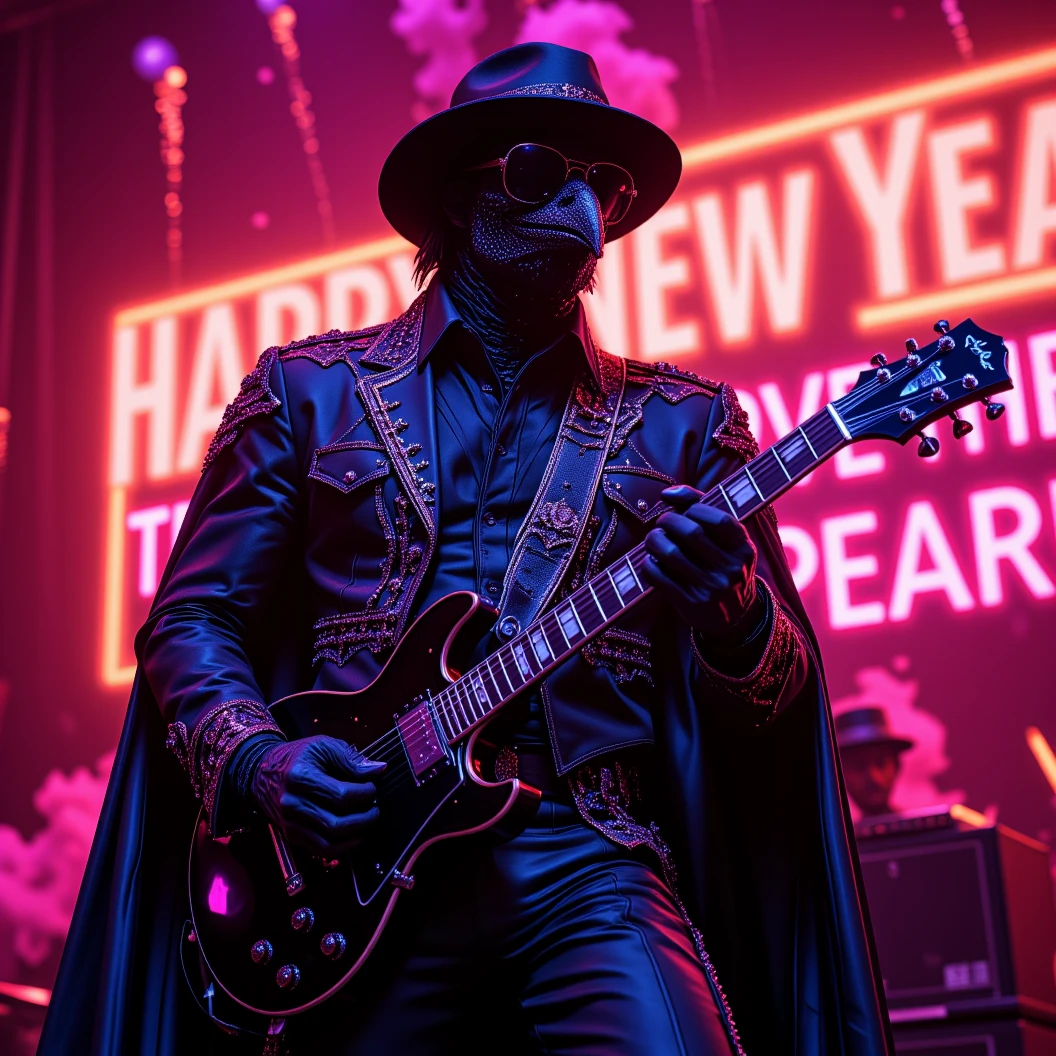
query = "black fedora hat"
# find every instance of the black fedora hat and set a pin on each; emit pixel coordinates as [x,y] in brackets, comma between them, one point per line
[530,93]
[867,726]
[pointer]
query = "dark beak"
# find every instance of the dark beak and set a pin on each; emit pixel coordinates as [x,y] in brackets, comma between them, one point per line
[573,213]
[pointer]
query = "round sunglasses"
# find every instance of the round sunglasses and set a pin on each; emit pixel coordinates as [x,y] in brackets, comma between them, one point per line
[533,173]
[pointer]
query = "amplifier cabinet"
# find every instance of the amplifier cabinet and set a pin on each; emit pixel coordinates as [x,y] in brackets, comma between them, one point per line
[997,1037]
[964,921]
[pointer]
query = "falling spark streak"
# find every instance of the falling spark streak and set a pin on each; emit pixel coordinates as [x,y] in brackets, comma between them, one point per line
[1043,753]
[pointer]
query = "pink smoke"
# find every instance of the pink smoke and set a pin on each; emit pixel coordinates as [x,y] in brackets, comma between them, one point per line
[442,30]
[922,763]
[39,877]
[634,79]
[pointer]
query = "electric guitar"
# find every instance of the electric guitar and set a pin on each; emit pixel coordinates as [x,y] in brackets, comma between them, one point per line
[281,929]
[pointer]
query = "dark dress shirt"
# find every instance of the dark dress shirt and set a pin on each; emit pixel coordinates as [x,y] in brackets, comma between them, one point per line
[493,446]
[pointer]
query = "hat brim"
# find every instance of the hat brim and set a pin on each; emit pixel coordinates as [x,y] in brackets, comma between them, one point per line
[857,738]
[455,139]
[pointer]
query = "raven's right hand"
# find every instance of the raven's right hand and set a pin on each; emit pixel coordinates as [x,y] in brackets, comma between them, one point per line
[318,791]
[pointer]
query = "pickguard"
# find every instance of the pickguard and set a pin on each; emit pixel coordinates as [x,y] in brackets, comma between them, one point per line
[407,807]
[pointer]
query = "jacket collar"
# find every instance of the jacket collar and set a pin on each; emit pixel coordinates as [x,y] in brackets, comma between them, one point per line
[440,315]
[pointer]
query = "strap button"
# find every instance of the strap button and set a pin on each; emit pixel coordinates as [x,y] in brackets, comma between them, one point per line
[509,627]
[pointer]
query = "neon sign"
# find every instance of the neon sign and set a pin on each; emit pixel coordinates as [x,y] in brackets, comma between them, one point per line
[788,254]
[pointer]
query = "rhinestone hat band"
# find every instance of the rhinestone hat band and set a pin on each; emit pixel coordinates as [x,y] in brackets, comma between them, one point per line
[560,91]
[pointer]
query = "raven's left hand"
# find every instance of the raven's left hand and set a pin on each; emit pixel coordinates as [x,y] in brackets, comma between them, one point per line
[702,561]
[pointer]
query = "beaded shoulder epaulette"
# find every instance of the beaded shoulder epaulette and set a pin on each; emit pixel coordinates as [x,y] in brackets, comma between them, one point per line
[255,396]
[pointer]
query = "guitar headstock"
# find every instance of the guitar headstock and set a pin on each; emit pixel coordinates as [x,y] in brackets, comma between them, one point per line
[897,400]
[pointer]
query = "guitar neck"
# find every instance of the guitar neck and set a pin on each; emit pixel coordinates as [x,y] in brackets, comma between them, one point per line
[562,631]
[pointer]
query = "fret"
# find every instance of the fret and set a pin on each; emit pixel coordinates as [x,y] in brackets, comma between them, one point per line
[596,602]
[465,703]
[552,632]
[777,459]
[614,587]
[575,615]
[441,705]
[748,474]
[742,492]
[499,695]
[825,436]
[540,644]
[562,630]
[795,454]
[505,673]
[722,491]
[808,443]
[769,475]
[521,659]
[630,565]
[482,694]
[626,581]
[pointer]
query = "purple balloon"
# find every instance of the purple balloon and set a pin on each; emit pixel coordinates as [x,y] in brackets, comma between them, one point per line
[152,56]
[269,7]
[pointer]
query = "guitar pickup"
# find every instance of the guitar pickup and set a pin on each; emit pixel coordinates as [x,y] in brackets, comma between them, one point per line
[421,741]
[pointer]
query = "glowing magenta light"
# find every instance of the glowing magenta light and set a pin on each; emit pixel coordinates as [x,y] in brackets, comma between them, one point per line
[152,56]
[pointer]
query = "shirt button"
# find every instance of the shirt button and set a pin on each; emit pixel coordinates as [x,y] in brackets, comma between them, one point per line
[501,450]
[492,587]
[489,519]
[486,387]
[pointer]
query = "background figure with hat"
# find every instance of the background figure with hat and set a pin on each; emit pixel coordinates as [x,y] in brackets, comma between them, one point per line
[692,827]
[870,753]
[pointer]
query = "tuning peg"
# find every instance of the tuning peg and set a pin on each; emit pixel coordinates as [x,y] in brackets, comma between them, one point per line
[961,428]
[928,447]
[993,410]
[879,360]
[912,359]
[942,326]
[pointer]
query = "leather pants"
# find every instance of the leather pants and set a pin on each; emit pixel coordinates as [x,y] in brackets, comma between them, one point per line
[556,941]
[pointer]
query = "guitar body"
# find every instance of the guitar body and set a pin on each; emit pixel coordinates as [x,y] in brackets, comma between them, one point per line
[237,884]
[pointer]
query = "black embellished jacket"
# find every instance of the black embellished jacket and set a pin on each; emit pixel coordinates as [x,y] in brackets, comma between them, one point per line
[325,470]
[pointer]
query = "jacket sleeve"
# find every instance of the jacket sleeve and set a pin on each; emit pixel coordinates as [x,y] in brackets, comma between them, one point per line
[780,658]
[224,569]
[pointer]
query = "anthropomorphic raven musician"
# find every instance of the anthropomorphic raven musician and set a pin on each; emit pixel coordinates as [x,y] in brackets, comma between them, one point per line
[692,828]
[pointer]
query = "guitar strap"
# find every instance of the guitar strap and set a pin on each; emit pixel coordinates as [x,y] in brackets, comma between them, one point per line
[552,530]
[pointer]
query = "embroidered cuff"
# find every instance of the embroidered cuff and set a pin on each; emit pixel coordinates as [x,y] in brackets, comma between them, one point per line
[761,689]
[215,738]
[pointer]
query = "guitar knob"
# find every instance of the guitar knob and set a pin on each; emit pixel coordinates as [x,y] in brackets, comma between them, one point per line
[961,428]
[928,447]
[333,945]
[261,951]
[302,919]
[288,976]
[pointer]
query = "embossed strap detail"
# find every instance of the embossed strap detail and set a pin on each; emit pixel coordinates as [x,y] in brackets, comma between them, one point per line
[604,796]
[549,537]
[761,689]
[215,738]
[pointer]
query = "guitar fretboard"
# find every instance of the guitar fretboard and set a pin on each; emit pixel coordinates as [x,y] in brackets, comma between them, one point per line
[533,653]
